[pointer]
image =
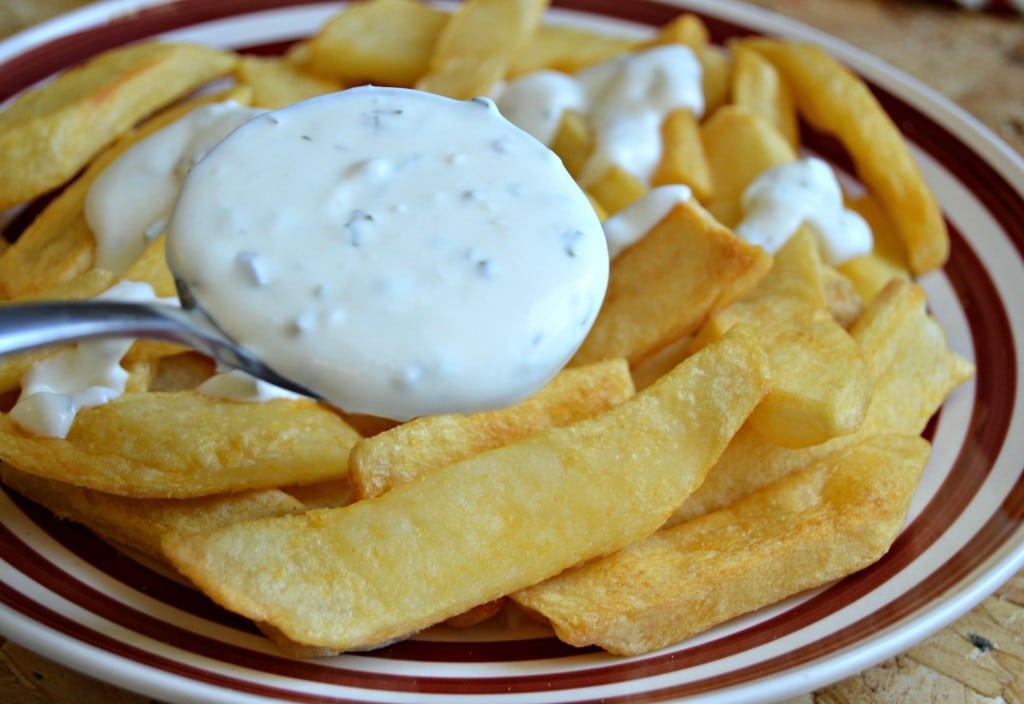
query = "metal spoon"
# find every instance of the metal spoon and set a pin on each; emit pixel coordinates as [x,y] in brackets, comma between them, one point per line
[31,326]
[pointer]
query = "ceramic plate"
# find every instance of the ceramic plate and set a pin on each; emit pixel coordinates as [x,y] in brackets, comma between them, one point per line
[69,596]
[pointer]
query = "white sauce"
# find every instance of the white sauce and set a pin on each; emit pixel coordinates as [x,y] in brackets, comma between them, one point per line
[88,374]
[803,192]
[626,99]
[398,252]
[629,225]
[236,385]
[128,205]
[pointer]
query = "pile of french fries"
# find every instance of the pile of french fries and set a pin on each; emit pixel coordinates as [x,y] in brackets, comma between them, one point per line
[738,427]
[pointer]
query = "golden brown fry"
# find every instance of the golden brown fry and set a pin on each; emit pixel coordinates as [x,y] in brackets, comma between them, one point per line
[887,260]
[666,285]
[683,159]
[470,57]
[382,569]
[141,524]
[757,87]
[841,297]
[616,189]
[906,350]
[739,147]
[716,67]
[426,444]
[185,444]
[380,41]
[276,82]
[687,28]
[834,100]
[831,519]
[913,371]
[59,245]
[48,134]
[181,372]
[821,385]
[567,49]
[573,142]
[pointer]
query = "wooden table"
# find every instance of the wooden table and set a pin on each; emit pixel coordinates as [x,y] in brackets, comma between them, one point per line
[977,60]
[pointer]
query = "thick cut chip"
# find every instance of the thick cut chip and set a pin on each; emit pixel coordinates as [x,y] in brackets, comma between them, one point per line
[277,83]
[821,385]
[907,353]
[573,142]
[387,42]
[48,134]
[151,268]
[495,523]
[59,245]
[683,159]
[615,189]
[739,146]
[141,524]
[185,444]
[887,259]
[757,87]
[687,29]
[835,517]
[567,49]
[913,371]
[685,269]
[426,444]
[716,68]
[834,100]
[470,57]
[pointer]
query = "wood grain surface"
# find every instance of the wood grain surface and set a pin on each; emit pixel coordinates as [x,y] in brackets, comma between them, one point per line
[977,60]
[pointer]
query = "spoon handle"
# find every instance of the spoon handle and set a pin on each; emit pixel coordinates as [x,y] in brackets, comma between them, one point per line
[25,327]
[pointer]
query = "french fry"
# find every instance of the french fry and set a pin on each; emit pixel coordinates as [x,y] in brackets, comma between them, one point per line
[48,134]
[387,42]
[683,159]
[739,147]
[716,67]
[567,49]
[615,189]
[833,99]
[469,58]
[277,83]
[757,87]
[426,444]
[686,28]
[836,516]
[821,385]
[185,444]
[378,570]
[887,260]
[841,297]
[913,372]
[59,245]
[573,142]
[141,524]
[666,285]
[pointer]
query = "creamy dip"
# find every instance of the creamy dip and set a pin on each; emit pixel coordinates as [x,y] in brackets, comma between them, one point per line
[803,192]
[628,226]
[625,99]
[87,374]
[128,205]
[398,252]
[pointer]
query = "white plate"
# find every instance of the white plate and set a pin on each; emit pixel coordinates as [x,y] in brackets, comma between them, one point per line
[69,596]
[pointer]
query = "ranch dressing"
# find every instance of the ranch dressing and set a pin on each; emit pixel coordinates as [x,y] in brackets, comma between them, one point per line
[88,374]
[398,252]
[625,99]
[628,226]
[128,205]
[803,192]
